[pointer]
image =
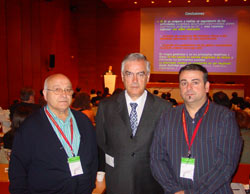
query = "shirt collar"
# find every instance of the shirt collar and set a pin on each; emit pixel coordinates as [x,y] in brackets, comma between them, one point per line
[138,101]
[57,119]
[200,112]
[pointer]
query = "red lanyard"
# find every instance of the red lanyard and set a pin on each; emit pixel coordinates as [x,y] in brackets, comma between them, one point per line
[195,130]
[60,130]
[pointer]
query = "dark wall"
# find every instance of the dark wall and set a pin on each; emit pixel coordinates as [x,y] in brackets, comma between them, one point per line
[104,37]
[30,31]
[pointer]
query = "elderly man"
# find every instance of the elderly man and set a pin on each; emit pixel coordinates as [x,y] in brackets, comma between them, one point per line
[125,125]
[55,149]
[196,145]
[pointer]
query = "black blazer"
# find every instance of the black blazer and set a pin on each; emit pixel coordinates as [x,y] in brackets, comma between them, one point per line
[38,161]
[131,173]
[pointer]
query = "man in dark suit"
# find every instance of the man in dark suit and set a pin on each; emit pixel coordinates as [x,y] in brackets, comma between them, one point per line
[125,125]
[55,149]
[196,146]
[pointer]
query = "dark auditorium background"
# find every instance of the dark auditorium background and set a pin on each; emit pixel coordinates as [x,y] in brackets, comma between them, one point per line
[83,36]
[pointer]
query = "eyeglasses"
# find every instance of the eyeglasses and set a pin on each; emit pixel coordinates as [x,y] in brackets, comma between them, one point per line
[139,75]
[58,91]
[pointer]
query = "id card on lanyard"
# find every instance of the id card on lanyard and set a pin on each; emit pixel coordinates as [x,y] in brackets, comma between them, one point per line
[188,163]
[74,162]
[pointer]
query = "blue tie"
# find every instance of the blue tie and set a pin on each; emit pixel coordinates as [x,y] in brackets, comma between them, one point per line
[133,118]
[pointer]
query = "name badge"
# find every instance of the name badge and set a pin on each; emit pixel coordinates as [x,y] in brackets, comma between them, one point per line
[75,166]
[109,160]
[187,168]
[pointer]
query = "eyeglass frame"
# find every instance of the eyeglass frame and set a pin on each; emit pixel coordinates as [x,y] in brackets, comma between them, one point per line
[59,91]
[139,75]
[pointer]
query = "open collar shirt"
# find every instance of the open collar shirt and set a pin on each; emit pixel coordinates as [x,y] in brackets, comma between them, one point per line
[216,149]
[65,127]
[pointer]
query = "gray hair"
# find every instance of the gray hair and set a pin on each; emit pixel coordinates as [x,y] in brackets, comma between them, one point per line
[135,57]
[45,87]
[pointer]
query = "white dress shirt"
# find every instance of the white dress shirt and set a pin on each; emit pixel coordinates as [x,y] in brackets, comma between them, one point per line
[140,101]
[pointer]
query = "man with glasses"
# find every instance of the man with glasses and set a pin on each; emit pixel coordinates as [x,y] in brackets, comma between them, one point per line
[125,125]
[55,149]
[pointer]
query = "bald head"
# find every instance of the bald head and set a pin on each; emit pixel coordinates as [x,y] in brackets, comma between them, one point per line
[54,77]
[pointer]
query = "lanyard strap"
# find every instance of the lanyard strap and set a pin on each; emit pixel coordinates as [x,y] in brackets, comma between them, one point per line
[61,132]
[196,128]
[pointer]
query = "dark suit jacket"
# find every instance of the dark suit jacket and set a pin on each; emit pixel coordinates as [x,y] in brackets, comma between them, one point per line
[131,173]
[39,163]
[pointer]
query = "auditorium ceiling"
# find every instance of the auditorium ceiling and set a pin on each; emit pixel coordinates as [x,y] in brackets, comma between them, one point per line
[135,4]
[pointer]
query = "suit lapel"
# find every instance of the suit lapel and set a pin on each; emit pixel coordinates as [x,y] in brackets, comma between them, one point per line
[147,114]
[123,110]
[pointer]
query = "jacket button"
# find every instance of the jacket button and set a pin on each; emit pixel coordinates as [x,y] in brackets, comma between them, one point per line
[133,154]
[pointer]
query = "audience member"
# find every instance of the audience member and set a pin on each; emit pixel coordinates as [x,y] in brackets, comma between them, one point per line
[171,100]
[92,94]
[125,125]
[243,119]
[221,98]
[20,114]
[106,93]
[42,102]
[164,96]
[156,92]
[196,146]
[235,100]
[78,90]
[55,149]
[82,103]
[27,98]
[117,91]
[95,100]
[247,99]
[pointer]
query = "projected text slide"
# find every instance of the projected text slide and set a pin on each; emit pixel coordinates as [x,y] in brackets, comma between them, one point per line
[209,42]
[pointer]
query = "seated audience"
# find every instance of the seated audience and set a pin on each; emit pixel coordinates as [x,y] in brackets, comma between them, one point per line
[156,92]
[171,100]
[164,96]
[243,119]
[221,98]
[106,93]
[235,100]
[27,98]
[95,100]
[117,91]
[20,114]
[82,103]
[92,93]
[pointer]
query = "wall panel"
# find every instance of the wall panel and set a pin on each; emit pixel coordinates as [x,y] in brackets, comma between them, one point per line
[26,18]
[3,57]
[14,52]
[31,30]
